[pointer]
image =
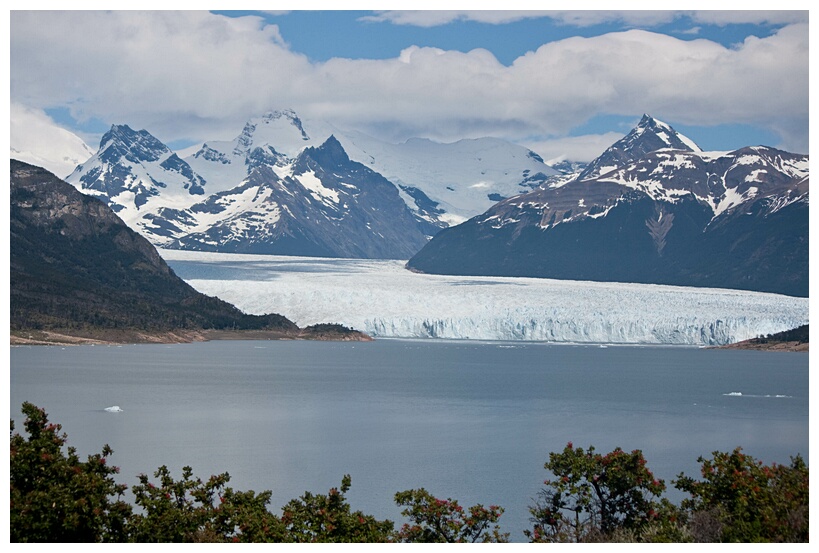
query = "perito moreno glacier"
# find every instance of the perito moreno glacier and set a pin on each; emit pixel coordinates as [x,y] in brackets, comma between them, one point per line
[383,299]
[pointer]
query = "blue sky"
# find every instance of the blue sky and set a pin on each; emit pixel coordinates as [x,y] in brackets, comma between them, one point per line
[566,84]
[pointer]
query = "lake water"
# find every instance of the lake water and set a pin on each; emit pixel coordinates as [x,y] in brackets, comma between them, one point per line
[467,420]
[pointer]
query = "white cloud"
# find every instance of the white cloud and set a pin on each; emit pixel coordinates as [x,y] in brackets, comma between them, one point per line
[157,70]
[199,76]
[37,139]
[574,148]
[726,17]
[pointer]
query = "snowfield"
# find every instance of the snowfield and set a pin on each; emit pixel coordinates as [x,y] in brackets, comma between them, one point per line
[383,299]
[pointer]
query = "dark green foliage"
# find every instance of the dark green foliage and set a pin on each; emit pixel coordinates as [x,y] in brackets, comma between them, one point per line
[741,500]
[56,497]
[436,520]
[329,518]
[614,497]
[800,335]
[190,510]
[594,495]
[328,327]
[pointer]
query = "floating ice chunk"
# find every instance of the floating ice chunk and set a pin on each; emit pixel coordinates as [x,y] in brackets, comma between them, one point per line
[114,409]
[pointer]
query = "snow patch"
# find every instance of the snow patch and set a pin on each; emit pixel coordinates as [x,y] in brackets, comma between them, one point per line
[320,192]
[754,176]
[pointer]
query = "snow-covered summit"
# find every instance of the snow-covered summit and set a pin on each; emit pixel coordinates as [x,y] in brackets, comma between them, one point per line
[663,131]
[648,136]
[251,192]
[274,139]
[136,173]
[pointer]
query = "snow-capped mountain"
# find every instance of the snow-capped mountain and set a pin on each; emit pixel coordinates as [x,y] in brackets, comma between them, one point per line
[653,208]
[253,197]
[648,136]
[443,184]
[137,174]
[288,186]
[319,204]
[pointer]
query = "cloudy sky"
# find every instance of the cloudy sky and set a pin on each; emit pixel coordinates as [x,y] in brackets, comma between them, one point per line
[560,82]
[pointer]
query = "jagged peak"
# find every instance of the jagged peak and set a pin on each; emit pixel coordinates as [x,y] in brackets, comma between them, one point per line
[330,147]
[332,142]
[270,116]
[122,140]
[126,134]
[648,136]
[664,132]
[118,132]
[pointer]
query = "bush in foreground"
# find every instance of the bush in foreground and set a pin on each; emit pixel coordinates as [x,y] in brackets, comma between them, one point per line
[54,495]
[592,497]
[615,498]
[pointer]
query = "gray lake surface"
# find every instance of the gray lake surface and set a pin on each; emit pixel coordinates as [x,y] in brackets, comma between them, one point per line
[474,421]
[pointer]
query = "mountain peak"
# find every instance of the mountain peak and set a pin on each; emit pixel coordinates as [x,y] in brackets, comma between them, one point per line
[648,136]
[647,120]
[287,117]
[330,152]
[281,129]
[121,141]
[666,133]
[122,133]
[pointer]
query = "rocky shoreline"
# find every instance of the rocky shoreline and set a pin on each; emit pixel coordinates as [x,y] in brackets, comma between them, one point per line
[65,337]
[774,346]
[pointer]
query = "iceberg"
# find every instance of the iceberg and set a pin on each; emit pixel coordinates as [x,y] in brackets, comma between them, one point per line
[383,299]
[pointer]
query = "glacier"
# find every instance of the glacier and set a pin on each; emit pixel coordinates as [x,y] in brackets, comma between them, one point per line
[383,299]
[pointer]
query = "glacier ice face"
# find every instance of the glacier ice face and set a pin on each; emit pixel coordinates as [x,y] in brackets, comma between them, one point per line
[383,299]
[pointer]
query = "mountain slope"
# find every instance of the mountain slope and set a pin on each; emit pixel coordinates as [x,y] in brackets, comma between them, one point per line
[675,215]
[76,265]
[134,172]
[321,204]
[459,180]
